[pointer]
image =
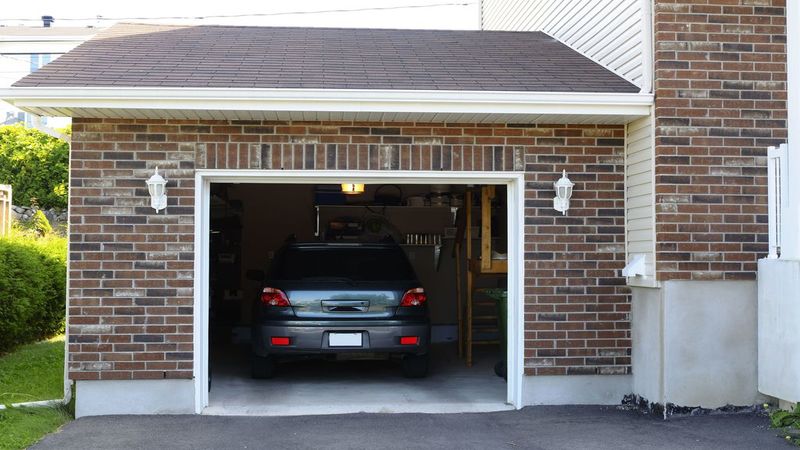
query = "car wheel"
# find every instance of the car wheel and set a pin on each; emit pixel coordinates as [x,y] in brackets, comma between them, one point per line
[262,366]
[415,366]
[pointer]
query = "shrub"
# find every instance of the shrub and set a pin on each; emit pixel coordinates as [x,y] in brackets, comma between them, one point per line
[36,165]
[788,422]
[32,289]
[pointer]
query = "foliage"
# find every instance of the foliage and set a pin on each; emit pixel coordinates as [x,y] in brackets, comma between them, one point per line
[789,422]
[36,165]
[40,224]
[33,372]
[32,289]
[22,427]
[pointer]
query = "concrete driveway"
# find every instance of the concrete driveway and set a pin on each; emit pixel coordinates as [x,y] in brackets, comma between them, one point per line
[570,427]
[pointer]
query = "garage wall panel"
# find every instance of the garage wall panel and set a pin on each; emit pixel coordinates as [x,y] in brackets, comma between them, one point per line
[131,270]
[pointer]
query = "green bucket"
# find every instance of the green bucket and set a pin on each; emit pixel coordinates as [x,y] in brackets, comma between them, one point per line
[500,297]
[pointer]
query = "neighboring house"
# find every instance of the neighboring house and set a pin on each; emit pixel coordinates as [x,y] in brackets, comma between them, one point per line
[667,149]
[24,50]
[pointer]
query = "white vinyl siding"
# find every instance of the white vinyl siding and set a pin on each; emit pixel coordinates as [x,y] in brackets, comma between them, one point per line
[610,32]
[640,197]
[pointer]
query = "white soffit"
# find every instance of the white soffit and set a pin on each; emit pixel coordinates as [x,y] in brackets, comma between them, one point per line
[331,104]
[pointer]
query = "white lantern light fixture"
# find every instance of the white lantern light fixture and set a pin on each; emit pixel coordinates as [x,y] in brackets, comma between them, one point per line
[157,186]
[563,189]
[352,188]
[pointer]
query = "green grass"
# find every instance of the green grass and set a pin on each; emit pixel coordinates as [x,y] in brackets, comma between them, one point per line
[33,372]
[22,427]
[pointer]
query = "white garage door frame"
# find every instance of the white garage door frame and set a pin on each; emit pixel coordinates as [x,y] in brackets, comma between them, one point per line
[514,181]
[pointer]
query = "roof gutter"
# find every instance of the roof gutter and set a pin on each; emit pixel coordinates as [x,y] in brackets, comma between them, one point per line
[330,100]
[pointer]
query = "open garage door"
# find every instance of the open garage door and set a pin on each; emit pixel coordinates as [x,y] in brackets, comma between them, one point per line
[325,298]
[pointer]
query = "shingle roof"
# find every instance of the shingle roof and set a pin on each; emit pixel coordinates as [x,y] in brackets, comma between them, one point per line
[136,55]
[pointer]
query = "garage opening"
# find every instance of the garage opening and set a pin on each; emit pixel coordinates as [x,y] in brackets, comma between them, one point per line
[338,298]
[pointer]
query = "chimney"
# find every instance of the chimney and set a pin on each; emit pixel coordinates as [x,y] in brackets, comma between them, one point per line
[47,20]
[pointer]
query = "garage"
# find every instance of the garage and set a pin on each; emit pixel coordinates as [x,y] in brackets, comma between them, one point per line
[251,220]
[153,156]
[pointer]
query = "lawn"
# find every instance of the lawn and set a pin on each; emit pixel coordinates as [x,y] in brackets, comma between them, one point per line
[21,427]
[33,372]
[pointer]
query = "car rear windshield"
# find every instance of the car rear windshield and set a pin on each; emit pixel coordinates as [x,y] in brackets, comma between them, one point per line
[342,263]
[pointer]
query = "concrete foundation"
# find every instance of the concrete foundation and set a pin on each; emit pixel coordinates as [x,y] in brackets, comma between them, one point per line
[575,389]
[694,343]
[106,397]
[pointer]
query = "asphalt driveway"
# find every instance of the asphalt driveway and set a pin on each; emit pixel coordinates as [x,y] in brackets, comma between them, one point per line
[562,427]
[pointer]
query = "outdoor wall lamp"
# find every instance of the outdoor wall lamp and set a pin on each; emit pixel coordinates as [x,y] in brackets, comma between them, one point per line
[563,189]
[352,188]
[157,186]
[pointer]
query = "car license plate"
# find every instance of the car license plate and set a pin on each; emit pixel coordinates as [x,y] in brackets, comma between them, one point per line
[344,340]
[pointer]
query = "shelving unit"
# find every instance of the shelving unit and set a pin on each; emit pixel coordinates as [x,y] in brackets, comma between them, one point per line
[391,212]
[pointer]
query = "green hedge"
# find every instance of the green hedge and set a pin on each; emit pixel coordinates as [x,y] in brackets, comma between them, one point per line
[32,289]
[36,165]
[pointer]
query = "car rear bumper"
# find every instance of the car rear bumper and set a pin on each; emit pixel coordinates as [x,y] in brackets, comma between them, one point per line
[314,337]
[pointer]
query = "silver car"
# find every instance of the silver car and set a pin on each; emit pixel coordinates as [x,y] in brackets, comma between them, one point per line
[329,298]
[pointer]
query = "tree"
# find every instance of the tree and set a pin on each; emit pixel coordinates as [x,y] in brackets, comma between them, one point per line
[36,165]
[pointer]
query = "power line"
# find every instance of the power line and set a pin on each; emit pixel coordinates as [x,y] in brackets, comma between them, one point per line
[233,16]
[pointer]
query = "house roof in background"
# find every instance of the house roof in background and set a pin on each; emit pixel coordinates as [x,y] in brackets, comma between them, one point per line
[137,55]
[7,32]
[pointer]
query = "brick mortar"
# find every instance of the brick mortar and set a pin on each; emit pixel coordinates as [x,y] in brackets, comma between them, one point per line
[720,102]
[131,270]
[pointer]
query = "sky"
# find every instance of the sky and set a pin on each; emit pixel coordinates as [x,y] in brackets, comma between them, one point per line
[434,14]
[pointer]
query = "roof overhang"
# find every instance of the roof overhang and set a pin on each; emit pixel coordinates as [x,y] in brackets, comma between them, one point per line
[331,104]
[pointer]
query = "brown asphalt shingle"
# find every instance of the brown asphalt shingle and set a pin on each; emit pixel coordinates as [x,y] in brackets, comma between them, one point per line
[135,55]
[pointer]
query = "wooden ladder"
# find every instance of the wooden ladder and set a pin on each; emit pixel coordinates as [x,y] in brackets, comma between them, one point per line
[481,311]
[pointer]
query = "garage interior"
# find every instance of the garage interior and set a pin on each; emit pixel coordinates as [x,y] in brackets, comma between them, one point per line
[464,283]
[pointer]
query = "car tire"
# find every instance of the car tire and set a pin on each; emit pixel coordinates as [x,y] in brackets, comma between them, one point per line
[262,366]
[416,366]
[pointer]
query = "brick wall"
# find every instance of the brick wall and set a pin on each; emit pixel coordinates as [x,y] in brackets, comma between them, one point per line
[131,270]
[720,102]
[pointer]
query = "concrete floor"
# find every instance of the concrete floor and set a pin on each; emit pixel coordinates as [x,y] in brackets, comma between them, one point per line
[327,387]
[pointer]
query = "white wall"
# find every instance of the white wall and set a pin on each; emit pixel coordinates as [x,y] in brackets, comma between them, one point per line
[640,231]
[695,343]
[609,32]
[647,352]
[778,322]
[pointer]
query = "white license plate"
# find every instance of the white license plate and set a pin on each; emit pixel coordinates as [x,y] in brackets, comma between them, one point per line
[344,340]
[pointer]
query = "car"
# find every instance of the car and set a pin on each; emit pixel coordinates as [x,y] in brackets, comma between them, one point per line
[340,299]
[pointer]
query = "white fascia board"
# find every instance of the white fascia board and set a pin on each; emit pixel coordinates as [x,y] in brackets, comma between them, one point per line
[330,100]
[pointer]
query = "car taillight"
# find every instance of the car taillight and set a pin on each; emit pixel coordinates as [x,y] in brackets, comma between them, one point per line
[274,297]
[414,297]
[409,340]
[279,341]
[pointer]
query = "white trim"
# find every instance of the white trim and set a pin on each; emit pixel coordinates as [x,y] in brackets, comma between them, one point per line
[515,181]
[790,245]
[331,100]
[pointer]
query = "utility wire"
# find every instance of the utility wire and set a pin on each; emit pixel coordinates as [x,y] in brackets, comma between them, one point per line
[230,16]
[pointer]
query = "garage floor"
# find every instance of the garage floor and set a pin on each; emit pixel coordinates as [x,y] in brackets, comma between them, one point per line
[321,387]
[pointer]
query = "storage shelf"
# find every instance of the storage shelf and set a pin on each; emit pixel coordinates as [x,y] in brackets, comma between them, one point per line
[387,207]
